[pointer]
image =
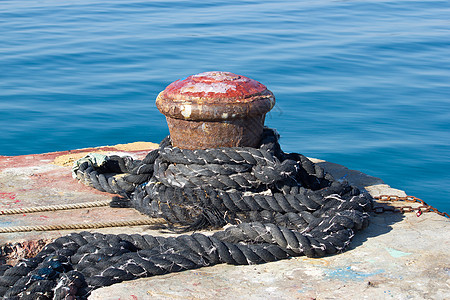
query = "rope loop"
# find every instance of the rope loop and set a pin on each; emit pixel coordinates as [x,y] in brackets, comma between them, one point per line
[275,205]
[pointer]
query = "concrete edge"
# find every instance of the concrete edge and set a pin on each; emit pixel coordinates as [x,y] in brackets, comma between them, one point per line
[373,185]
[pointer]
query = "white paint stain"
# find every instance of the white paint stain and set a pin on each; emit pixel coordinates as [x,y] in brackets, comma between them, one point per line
[213,87]
[218,76]
[186,110]
[313,272]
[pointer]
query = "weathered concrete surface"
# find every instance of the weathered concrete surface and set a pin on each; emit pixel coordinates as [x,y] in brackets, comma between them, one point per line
[46,179]
[396,257]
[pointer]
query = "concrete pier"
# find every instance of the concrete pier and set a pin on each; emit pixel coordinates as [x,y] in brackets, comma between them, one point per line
[396,257]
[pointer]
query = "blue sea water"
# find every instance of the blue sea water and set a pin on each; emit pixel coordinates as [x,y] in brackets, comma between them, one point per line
[363,83]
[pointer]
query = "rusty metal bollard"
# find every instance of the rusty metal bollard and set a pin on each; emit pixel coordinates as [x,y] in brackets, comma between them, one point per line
[215,109]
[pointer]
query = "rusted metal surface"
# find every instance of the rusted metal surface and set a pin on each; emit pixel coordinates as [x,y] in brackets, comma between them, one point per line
[215,109]
[420,205]
[12,253]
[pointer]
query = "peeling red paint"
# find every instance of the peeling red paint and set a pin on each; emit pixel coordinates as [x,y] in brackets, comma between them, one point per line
[224,86]
[215,109]
[10,196]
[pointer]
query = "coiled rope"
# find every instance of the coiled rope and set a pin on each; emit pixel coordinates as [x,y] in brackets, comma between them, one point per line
[277,204]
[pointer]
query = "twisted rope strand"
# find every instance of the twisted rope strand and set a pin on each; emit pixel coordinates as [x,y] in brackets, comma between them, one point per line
[56,207]
[94,225]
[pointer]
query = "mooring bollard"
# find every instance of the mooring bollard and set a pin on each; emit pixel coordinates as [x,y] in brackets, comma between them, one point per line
[215,109]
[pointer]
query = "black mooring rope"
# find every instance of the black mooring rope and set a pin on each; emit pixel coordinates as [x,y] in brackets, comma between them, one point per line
[279,205]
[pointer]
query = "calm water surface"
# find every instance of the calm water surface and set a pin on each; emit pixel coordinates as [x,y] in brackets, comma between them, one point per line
[365,83]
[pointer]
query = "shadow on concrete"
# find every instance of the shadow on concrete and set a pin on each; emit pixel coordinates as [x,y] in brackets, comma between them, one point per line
[379,224]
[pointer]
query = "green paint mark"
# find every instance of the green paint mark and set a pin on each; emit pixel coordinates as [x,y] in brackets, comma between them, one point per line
[346,274]
[397,253]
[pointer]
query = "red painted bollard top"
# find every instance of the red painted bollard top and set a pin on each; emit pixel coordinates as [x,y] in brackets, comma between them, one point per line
[215,109]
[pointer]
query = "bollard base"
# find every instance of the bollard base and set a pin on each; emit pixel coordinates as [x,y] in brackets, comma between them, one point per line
[188,134]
